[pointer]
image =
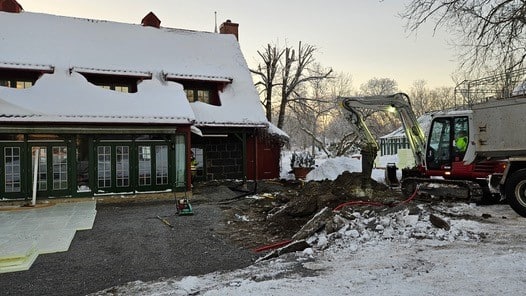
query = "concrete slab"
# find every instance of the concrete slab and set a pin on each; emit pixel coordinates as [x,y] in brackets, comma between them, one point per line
[25,233]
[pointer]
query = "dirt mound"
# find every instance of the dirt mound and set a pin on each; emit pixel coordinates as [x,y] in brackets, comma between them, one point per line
[347,187]
[279,216]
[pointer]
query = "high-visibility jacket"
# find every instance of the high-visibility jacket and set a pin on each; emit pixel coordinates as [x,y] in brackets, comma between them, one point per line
[462,143]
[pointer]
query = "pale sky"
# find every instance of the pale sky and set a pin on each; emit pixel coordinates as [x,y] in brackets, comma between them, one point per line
[364,38]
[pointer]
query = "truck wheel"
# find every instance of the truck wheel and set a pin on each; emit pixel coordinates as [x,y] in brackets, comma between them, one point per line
[516,192]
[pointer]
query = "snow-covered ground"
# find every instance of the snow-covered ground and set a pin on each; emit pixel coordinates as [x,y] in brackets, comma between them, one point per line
[395,253]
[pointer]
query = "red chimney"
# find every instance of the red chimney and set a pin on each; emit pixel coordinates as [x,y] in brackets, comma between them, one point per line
[229,27]
[151,20]
[10,6]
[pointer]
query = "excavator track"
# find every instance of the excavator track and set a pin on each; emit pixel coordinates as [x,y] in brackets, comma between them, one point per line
[443,189]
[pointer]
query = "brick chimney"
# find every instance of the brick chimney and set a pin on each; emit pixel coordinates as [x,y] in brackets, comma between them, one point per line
[229,27]
[151,20]
[10,6]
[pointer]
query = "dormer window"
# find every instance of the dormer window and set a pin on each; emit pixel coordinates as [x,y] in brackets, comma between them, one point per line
[18,75]
[116,80]
[113,82]
[201,88]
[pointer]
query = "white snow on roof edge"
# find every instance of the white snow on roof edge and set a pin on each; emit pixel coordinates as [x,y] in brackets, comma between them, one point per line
[274,130]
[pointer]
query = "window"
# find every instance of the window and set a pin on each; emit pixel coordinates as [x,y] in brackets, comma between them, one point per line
[120,88]
[439,144]
[189,95]
[201,91]
[42,166]
[118,83]
[21,78]
[145,165]
[161,164]
[201,95]
[180,160]
[16,83]
[104,166]
[12,169]
[122,168]
[60,167]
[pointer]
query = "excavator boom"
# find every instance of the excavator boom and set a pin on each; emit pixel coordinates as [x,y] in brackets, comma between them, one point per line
[392,103]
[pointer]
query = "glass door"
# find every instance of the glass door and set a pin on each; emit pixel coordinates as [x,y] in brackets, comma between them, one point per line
[153,166]
[113,167]
[52,168]
[39,153]
[12,182]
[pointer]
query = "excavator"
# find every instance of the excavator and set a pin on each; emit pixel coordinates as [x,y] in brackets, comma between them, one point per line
[491,167]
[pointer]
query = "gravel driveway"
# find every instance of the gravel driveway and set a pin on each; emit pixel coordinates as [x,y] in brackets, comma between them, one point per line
[128,243]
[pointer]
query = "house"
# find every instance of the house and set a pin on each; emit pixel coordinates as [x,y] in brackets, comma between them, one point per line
[105,107]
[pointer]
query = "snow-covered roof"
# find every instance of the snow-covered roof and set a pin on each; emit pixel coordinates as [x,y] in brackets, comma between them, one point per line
[67,46]
[274,130]
[81,101]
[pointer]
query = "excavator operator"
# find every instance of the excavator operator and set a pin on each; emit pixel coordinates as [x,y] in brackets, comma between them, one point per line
[461,142]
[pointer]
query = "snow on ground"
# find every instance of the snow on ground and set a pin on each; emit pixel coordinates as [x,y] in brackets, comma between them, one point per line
[331,168]
[381,253]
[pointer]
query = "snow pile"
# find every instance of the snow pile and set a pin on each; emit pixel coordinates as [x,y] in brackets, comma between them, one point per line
[331,168]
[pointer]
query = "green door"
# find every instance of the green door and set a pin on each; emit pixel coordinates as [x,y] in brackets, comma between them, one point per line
[53,169]
[153,166]
[113,167]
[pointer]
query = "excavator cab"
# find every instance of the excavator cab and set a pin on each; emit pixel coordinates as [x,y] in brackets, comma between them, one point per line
[447,144]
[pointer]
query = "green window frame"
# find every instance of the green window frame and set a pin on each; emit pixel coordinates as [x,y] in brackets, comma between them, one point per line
[12,170]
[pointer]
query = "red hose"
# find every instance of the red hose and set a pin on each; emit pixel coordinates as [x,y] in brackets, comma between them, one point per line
[272,246]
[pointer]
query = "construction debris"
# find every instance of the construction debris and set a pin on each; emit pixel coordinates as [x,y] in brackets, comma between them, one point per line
[438,222]
[304,215]
[313,225]
[165,221]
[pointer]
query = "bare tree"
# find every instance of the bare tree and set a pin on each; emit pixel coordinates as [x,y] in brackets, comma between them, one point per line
[377,121]
[313,110]
[294,73]
[379,86]
[441,98]
[489,33]
[419,95]
[316,119]
[267,74]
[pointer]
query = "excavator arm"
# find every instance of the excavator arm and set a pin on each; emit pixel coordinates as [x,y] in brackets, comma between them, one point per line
[366,139]
[392,103]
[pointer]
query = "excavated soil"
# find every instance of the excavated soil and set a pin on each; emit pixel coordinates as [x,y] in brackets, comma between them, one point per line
[280,209]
